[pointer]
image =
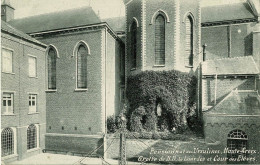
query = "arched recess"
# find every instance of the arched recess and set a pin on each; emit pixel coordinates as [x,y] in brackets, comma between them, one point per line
[188,19]
[76,47]
[131,23]
[81,51]
[188,14]
[162,13]
[51,57]
[51,46]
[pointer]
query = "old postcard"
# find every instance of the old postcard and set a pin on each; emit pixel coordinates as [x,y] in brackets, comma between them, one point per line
[130,82]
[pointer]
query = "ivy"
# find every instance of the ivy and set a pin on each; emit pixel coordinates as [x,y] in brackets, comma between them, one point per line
[173,90]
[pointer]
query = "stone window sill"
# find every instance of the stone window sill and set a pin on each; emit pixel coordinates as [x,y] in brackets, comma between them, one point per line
[132,69]
[33,149]
[8,72]
[159,66]
[50,90]
[8,114]
[9,156]
[81,90]
[189,66]
[33,113]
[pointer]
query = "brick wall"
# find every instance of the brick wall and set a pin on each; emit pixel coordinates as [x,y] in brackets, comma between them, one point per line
[21,84]
[216,38]
[145,12]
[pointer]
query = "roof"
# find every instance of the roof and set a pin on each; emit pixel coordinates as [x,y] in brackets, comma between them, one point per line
[230,66]
[226,12]
[238,103]
[11,30]
[116,23]
[57,20]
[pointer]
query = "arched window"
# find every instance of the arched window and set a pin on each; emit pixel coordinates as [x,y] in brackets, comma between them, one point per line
[160,40]
[189,42]
[237,140]
[31,137]
[82,67]
[52,56]
[7,137]
[134,43]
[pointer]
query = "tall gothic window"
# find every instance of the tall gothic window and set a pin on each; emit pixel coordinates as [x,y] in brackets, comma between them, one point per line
[31,137]
[189,42]
[134,43]
[82,67]
[52,56]
[7,138]
[160,40]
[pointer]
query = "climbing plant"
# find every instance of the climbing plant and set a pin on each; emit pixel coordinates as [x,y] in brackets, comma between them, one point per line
[173,90]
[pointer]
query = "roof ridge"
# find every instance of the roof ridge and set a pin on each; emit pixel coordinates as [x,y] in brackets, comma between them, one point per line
[229,58]
[228,4]
[55,12]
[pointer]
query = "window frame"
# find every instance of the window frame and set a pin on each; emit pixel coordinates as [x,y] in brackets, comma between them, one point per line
[35,67]
[12,62]
[36,139]
[14,145]
[189,57]
[48,71]
[76,55]
[156,55]
[35,109]
[7,112]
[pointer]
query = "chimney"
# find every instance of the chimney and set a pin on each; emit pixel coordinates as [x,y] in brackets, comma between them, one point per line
[7,11]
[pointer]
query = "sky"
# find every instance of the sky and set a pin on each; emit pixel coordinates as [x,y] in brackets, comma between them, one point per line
[105,8]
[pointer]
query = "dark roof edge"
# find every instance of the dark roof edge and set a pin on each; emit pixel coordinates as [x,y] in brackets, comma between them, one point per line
[26,39]
[76,28]
[227,22]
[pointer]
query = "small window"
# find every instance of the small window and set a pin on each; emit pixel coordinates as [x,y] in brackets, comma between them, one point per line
[7,103]
[82,67]
[31,137]
[7,61]
[32,66]
[52,56]
[32,103]
[7,138]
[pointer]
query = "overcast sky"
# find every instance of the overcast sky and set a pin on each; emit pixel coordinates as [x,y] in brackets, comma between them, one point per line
[105,8]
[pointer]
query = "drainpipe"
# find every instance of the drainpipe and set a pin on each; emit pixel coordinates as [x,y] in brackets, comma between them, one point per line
[216,86]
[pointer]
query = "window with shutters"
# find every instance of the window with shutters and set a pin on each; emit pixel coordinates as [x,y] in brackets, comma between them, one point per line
[32,66]
[134,44]
[7,142]
[7,61]
[82,67]
[188,60]
[32,137]
[160,40]
[52,57]
[7,104]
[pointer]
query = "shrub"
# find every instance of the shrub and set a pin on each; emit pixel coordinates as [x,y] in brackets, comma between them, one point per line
[156,135]
[111,125]
[173,90]
[146,135]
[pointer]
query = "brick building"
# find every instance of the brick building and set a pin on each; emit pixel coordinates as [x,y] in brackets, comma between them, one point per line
[23,113]
[230,76]
[86,66]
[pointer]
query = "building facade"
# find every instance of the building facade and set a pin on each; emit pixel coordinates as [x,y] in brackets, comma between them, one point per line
[23,115]
[87,61]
